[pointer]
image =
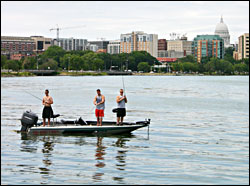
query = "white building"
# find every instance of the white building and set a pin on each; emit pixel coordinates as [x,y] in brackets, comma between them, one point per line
[222,30]
[180,46]
[114,47]
[72,44]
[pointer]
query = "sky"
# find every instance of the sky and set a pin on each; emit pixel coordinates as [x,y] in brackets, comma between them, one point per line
[93,20]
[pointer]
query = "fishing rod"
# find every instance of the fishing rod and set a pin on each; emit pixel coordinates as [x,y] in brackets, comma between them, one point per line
[33,95]
[123,85]
[54,115]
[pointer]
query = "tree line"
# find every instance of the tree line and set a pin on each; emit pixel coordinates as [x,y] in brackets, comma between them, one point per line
[213,65]
[55,58]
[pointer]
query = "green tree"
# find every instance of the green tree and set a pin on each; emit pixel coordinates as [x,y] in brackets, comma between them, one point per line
[240,68]
[205,60]
[245,61]
[75,62]
[3,60]
[143,66]
[226,67]
[51,64]
[210,67]
[201,68]
[188,58]
[12,64]
[229,51]
[229,55]
[190,67]
[143,56]
[98,64]
[88,60]
[29,63]
[65,61]
[115,61]
[131,63]
[54,52]
[177,67]
[106,58]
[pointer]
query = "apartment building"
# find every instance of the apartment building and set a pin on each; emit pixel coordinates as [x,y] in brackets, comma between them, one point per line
[16,45]
[98,46]
[139,41]
[207,46]
[70,44]
[162,48]
[114,47]
[180,45]
[243,47]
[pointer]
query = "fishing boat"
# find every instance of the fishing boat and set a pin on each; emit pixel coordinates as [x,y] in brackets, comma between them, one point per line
[30,125]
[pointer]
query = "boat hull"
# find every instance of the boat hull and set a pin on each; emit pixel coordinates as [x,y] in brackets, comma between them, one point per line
[82,130]
[90,128]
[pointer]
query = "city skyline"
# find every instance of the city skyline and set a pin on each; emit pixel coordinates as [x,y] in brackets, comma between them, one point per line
[109,19]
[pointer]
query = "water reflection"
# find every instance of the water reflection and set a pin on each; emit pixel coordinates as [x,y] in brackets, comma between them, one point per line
[48,147]
[120,157]
[29,144]
[99,156]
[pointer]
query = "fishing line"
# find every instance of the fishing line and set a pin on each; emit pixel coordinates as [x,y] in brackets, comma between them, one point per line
[33,95]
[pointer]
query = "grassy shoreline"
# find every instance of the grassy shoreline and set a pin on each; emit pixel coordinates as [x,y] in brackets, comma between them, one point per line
[28,74]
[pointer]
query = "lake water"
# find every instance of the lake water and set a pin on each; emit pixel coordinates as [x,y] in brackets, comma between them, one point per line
[199,131]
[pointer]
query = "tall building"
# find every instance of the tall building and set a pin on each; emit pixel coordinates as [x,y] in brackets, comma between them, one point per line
[162,44]
[180,45]
[98,45]
[70,44]
[15,45]
[222,30]
[114,47]
[207,46]
[162,48]
[139,41]
[41,43]
[243,47]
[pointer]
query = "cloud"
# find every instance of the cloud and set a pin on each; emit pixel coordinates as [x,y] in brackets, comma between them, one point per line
[112,18]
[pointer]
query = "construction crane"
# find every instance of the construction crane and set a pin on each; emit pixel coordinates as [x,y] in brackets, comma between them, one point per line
[57,31]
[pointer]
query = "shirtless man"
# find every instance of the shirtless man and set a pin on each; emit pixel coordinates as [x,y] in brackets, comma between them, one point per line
[47,110]
[99,101]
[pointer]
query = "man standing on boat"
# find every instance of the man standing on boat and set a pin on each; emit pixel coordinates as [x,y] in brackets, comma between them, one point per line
[121,110]
[99,101]
[47,110]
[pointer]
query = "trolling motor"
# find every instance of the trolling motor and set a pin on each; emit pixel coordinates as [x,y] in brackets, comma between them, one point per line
[29,119]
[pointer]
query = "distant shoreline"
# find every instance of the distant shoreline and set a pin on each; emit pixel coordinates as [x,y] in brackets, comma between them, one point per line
[28,74]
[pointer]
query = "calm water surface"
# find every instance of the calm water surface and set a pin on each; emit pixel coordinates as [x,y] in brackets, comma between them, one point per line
[199,131]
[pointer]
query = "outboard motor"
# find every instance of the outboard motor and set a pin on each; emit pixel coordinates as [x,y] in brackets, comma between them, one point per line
[29,119]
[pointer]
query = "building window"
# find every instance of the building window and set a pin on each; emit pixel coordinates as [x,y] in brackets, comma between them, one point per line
[39,45]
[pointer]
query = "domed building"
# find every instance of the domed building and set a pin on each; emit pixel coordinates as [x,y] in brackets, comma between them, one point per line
[222,30]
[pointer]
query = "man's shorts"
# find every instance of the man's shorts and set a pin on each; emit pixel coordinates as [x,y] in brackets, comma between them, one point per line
[121,112]
[47,112]
[99,113]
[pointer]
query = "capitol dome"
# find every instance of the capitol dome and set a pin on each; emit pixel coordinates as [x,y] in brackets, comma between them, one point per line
[222,30]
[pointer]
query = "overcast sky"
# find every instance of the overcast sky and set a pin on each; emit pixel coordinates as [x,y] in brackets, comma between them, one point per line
[109,19]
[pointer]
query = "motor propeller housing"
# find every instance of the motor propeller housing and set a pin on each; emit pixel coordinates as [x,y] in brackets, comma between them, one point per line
[29,119]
